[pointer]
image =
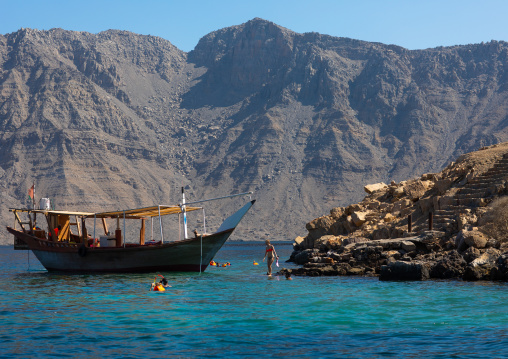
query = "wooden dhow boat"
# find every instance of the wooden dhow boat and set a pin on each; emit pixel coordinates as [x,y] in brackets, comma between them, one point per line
[68,246]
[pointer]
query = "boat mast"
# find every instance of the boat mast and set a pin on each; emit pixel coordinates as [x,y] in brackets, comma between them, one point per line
[184,215]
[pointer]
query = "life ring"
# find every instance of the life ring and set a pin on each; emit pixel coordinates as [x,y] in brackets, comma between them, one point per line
[82,251]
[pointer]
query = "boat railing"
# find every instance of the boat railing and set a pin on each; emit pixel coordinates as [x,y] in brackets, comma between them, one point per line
[45,243]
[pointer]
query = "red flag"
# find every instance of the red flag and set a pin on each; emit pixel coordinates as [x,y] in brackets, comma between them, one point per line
[31,192]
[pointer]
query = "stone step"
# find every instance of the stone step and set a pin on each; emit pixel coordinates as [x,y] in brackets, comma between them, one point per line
[444,212]
[440,217]
[479,181]
[477,194]
[498,167]
[482,186]
[501,164]
[495,170]
[463,196]
[490,176]
[426,228]
[452,210]
[468,200]
[470,191]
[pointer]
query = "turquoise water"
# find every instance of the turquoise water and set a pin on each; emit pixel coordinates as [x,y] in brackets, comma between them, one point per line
[238,312]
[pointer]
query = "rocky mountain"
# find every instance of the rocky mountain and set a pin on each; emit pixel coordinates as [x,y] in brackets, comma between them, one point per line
[115,119]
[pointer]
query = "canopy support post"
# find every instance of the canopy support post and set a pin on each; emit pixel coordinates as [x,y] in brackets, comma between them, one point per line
[160,223]
[184,215]
[204,221]
[124,233]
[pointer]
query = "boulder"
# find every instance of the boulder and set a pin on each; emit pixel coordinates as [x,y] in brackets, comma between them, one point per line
[460,244]
[466,220]
[327,242]
[356,271]
[488,257]
[388,217]
[428,185]
[443,185]
[429,177]
[359,218]
[476,273]
[352,208]
[471,254]
[319,243]
[415,189]
[320,223]
[402,204]
[475,239]
[398,192]
[304,256]
[371,188]
[391,254]
[349,225]
[425,204]
[352,240]
[334,242]
[500,271]
[385,207]
[299,243]
[400,270]
[329,271]
[380,233]
[337,212]
[408,246]
[373,205]
[451,266]
[340,227]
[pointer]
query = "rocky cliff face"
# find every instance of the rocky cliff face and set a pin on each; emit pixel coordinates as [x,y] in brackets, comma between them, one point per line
[304,120]
[450,224]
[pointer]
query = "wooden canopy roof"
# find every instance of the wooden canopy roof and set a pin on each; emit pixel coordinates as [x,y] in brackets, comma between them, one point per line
[152,211]
[145,212]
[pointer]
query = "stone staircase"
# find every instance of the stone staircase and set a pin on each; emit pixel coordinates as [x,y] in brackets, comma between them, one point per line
[479,191]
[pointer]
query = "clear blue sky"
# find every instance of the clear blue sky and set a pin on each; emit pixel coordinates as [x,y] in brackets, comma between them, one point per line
[414,24]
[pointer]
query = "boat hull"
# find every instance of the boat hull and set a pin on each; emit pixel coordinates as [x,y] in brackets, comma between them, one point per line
[189,255]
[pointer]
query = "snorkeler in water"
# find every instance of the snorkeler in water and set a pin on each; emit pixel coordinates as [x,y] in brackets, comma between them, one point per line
[164,282]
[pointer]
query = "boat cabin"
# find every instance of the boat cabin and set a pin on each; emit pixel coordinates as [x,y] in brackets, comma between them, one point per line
[75,227]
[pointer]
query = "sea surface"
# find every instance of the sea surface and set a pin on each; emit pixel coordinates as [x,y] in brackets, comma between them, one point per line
[239,312]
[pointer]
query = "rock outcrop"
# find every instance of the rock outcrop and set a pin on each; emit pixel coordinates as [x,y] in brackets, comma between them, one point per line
[435,226]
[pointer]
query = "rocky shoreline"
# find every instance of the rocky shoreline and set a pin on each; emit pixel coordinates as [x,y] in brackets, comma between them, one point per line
[448,225]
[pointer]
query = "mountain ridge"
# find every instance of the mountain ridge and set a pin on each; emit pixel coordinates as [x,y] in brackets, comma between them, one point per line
[304,120]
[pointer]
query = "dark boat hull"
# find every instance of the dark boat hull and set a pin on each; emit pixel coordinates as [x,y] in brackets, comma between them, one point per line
[189,255]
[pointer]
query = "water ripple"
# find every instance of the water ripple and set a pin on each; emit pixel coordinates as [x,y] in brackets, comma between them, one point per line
[238,312]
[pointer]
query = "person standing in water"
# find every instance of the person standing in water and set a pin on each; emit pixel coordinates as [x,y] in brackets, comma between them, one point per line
[271,254]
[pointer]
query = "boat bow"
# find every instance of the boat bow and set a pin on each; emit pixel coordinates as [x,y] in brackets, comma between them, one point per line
[232,221]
